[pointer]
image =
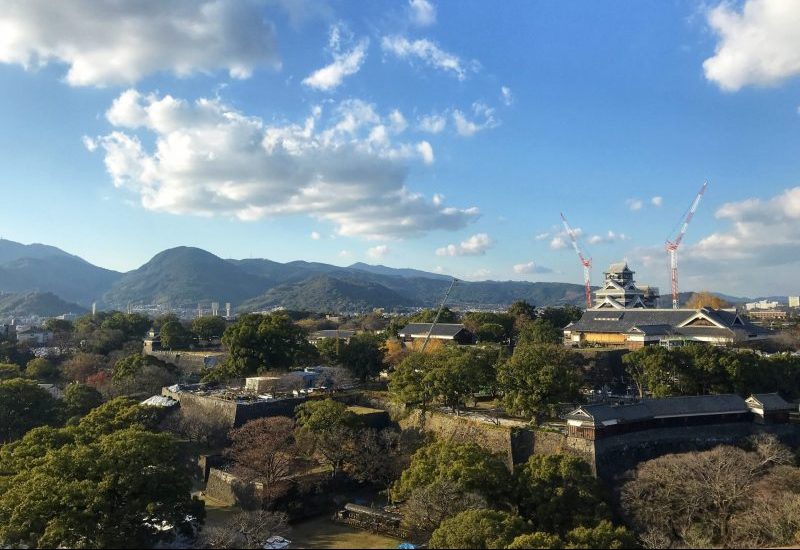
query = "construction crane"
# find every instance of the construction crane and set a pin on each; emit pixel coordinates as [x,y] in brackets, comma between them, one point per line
[585,262]
[672,245]
[438,314]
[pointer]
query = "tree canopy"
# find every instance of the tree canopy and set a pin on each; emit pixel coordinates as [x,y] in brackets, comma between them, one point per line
[23,406]
[478,529]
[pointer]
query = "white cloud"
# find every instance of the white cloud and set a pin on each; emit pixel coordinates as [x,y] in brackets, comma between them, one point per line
[209,159]
[423,12]
[425,151]
[315,235]
[433,124]
[531,267]
[562,239]
[378,252]
[345,63]
[438,199]
[634,204]
[399,123]
[759,45]
[476,245]
[609,237]
[558,242]
[429,53]
[506,96]
[478,275]
[542,236]
[345,253]
[657,201]
[108,43]
[466,127]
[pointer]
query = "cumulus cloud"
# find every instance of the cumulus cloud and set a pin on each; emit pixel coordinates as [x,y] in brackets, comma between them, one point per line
[476,245]
[506,96]
[609,237]
[657,201]
[484,119]
[759,45]
[427,52]
[433,124]
[530,268]
[423,12]
[315,235]
[345,63]
[634,204]
[209,159]
[108,43]
[378,252]
[542,236]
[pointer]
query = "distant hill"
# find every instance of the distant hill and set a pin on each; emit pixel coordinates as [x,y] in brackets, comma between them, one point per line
[42,304]
[184,276]
[325,293]
[402,272]
[52,270]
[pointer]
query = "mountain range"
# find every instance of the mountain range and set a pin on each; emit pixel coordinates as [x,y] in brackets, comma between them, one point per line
[182,277]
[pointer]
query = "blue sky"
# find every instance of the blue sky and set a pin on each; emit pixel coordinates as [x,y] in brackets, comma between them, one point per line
[438,135]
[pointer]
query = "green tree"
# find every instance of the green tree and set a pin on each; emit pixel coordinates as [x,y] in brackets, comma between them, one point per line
[9,371]
[132,325]
[537,378]
[470,467]
[560,317]
[522,310]
[209,327]
[601,536]
[329,349]
[558,493]
[491,332]
[24,405]
[174,335]
[537,540]
[121,488]
[407,384]
[41,369]
[363,355]
[474,320]
[478,529]
[539,331]
[325,428]
[429,316]
[79,399]
[263,342]
[656,369]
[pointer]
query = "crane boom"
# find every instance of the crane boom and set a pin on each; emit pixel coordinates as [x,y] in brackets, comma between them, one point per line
[672,245]
[438,314]
[585,262]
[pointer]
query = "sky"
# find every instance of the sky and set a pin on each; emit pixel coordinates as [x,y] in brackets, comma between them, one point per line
[440,135]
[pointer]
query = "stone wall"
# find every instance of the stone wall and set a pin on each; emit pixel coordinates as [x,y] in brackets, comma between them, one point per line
[188,362]
[232,491]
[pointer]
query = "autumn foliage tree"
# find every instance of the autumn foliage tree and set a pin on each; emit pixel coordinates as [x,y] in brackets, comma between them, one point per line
[705,299]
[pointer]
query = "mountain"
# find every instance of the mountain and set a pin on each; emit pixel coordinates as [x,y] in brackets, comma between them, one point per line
[42,304]
[183,277]
[41,268]
[324,293]
[405,272]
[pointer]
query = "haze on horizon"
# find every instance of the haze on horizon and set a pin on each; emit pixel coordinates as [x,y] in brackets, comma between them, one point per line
[439,136]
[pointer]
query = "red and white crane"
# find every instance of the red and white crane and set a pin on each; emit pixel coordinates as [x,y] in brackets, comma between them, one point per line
[672,245]
[585,262]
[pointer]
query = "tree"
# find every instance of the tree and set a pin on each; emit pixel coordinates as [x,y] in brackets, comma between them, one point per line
[264,342]
[175,336]
[558,493]
[23,406]
[537,378]
[694,499]
[376,457]
[325,428]
[656,369]
[522,310]
[429,316]
[9,371]
[703,299]
[601,536]
[363,355]
[560,317]
[474,320]
[471,467]
[81,366]
[490,332]
[393,352]
[132,325]
[209,327]
[246,530]
[264,449]
[407,384]
[122,488]
[539,331]
[428,506]
[537,540]
[79,399]
[330,348]
[478,529]
[41,369]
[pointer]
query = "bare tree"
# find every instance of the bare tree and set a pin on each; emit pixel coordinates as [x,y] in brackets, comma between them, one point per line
[246,530]
[428,506]
[264,450]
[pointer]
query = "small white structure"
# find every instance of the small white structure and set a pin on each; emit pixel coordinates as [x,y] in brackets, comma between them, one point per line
[761,304]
